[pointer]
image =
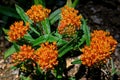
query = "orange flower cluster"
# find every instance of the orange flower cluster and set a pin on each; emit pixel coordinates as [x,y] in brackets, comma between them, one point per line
[26,52]
[70,21]
[46,56]
[17,30]
[38,13]
[100,49]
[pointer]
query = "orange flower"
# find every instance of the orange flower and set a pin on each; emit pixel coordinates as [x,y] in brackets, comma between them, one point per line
[38,13]
[17,30]
[26,52]
[70,21]
[46,56]
[101,47]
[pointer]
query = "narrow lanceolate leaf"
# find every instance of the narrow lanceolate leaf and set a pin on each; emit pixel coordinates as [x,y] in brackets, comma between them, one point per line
[67,47]
[86,31]
[77,61]
[82,40]
[28,37]
[39,40]
[69,3]
[75,3]
[16,46]
[10,51]
[64,50]
[42,2]
[22,14]
[7,11]
[61,42]
[25,18]
[52,38]
[48,38]
[54,16]
[46,26]
[34,30]
[5,30]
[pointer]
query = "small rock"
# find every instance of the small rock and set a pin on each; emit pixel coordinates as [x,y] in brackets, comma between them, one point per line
[96,20]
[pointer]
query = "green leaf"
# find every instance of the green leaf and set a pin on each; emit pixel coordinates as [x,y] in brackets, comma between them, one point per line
[58,35]
[28,37]
[46,26]
[67,47]
[72,78]
[77,61]
[69,3]
[113,71]
[24,78]
[45,38]
[25,18]
[5,30]
[54,16]
[59,77]
[65,50]
[16,46]
[51,38]
[42,2]
[6,37]
[10,51]
[39,40]
[34,30]
[7,11]
[61,42]
[22,14]
[86,31]
[13,67]
[82,40]
[75,3]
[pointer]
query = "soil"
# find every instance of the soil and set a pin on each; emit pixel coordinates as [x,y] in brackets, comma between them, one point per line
[102,14]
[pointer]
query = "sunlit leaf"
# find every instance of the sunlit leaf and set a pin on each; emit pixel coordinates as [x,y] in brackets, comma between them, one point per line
[54,16]
[77,61]
[61,42]
[86,31]
[25,18]
[46,26]
[51,38]
[10,51]
[16,46]
[39,40]
[48,38]
[28,37]
[22,14]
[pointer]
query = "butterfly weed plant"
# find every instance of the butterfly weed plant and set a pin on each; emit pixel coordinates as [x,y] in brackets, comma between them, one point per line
[39,49]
